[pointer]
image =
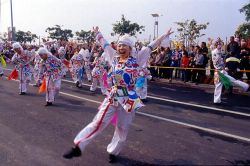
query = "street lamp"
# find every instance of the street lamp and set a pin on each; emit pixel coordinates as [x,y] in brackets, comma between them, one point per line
[156,16]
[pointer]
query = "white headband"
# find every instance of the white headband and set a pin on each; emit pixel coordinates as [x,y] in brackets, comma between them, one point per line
[42,50]
[126,39]
[16,45]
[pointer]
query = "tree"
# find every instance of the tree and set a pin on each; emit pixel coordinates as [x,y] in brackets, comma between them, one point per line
[244,29]
[246,9]
[24,37]
[189,31]
[86,36]
[58,33]
[126,27]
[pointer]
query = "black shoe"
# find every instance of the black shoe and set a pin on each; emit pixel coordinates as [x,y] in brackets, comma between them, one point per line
[248,89]
[217,103]
[112,158]
[73,152]
[1,74]
[77,84]
[48,104]
[22,93]
[144,100]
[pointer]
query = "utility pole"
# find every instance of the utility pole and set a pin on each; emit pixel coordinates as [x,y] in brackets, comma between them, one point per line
[12,28]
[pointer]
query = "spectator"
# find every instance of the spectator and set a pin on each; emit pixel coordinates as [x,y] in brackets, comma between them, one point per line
[233,47]
[166,63]
[199,59]
[244,58]
[184,64]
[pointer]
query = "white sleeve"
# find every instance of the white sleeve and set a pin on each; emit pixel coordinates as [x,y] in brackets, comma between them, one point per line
[110,52]
[143,56]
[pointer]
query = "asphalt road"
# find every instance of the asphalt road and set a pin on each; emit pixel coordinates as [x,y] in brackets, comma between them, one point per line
[178,126]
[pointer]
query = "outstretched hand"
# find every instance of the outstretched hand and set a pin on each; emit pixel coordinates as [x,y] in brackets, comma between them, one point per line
[96,29]
[169,32]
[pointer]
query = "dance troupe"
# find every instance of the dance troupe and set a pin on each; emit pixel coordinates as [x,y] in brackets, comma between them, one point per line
[121,73]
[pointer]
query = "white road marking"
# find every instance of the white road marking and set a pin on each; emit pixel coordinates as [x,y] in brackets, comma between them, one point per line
[185,103]
[172,121]
[169,120]
[180,102]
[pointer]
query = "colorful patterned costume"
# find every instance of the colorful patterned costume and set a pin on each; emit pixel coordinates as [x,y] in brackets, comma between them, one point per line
[98,74]
[23,65]
[122,99]
[52,73]
[76,68]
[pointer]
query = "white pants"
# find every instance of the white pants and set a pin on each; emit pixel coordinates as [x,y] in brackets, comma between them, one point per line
[88,72]
[101,121]
[143,91]
[1,70]
[24,80]
[76,77]
[53,87]
[219,85]
[94,85]
[36,76]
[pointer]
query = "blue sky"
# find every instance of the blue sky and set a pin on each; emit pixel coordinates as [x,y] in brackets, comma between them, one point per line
[37,15]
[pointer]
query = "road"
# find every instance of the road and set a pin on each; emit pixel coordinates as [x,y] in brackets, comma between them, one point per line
[178,126]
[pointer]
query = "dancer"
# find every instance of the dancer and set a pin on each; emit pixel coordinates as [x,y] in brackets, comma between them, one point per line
[122,98]
[76,68]
[50,73]
[23,59]
[99,74]
[221,76]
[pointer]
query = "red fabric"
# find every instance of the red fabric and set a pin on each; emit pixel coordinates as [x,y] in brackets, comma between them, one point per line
[13,75]
[184,62]
[98,125]
[66,63]
[42,88]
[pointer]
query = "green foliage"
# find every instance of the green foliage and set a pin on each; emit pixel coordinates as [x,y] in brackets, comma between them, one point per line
[24,37]
[189,31]
[246,9]
[126,27]
[243,30]
[58,33]
[86,36]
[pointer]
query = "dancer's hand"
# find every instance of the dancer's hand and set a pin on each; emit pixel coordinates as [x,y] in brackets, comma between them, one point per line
[169,32]
[96,29]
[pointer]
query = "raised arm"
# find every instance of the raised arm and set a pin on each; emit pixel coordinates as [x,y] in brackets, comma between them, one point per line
[105,45]
[144,54]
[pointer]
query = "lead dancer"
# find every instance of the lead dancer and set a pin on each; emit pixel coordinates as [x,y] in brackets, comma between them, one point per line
[122,98]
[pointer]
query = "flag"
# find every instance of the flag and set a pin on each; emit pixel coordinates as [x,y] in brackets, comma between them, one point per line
[42,88]
[226,81]
[3,61]
[13,75]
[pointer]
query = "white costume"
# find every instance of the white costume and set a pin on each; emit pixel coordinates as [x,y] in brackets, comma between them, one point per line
[141,84]
[122,98]
[76,68]
[218,63]
[23,65]
[86,57]
[37,62]
[51,71]
[1,49]
[61,55]
[98,73]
